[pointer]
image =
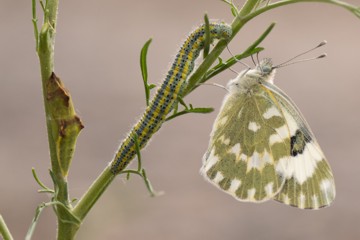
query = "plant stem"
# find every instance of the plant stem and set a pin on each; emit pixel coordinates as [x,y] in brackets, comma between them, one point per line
[248,7]
[4,230]
[93,193]
[66,231]
[46,46]
[34,20]
[345,5]
[46,57]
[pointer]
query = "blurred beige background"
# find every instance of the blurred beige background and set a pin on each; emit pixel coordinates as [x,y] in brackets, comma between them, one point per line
[97,56]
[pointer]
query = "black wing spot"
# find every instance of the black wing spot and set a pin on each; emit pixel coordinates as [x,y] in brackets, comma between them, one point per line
[298,143]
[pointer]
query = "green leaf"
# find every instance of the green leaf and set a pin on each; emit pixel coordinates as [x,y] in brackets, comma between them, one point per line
[201,110]
[43,7]
[151,86]
[230,62]
[42,185]
[182,102]
[190,110]
[207,36]
[234,10]
[220,63]
[356,11]
[144,72]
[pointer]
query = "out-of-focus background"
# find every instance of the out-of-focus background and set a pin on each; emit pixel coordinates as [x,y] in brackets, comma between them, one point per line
[97,57]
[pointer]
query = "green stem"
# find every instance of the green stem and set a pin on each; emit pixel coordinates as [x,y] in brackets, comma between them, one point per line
[248,7]
[46,57]
[34,20]
[46,46]
[93,193]
[345,5]
[4,230]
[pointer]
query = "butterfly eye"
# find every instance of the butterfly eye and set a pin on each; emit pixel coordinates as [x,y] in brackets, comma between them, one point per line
[266,69]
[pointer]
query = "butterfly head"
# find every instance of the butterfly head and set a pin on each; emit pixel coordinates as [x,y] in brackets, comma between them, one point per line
[265,67]
[264,71]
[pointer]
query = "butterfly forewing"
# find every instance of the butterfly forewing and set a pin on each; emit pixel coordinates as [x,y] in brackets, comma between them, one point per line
[309,181]
[249,138]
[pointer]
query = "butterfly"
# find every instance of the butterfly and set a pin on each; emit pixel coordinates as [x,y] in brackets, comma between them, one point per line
[262,148]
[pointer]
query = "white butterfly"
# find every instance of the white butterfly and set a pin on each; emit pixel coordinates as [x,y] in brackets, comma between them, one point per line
[262,148]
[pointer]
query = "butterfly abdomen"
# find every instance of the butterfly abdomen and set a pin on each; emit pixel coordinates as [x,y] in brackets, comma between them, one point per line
[166,95]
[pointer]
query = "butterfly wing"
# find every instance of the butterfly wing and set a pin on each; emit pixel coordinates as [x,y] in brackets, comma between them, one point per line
[261,148]
[243,155]
[309,180]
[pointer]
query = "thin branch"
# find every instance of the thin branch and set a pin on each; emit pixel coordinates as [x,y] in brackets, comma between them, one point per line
[35,20]
[144,72]
[41,184]
[4,230]
[354,9]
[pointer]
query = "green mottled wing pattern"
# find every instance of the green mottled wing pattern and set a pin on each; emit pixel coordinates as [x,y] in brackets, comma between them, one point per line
[241,160]
[309,180]
[261,148]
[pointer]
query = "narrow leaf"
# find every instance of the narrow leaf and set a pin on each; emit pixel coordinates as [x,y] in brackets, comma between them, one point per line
[182,102]
[230,62]
[41,184]
[207,36]
[201,110]
[151,86]
[356,11]
[143,66]
[234,12]
[192,110]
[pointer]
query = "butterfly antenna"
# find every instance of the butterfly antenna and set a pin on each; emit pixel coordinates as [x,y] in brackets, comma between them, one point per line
[237,73]
[236,58]
[257,58]
[252,58]
[216,85]
[302,60]
[287,63]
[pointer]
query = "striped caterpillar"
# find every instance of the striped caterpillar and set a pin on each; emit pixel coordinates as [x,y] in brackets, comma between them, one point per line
[166,95]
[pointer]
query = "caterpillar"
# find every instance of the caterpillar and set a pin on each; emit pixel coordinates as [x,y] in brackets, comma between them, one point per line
[163,101]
